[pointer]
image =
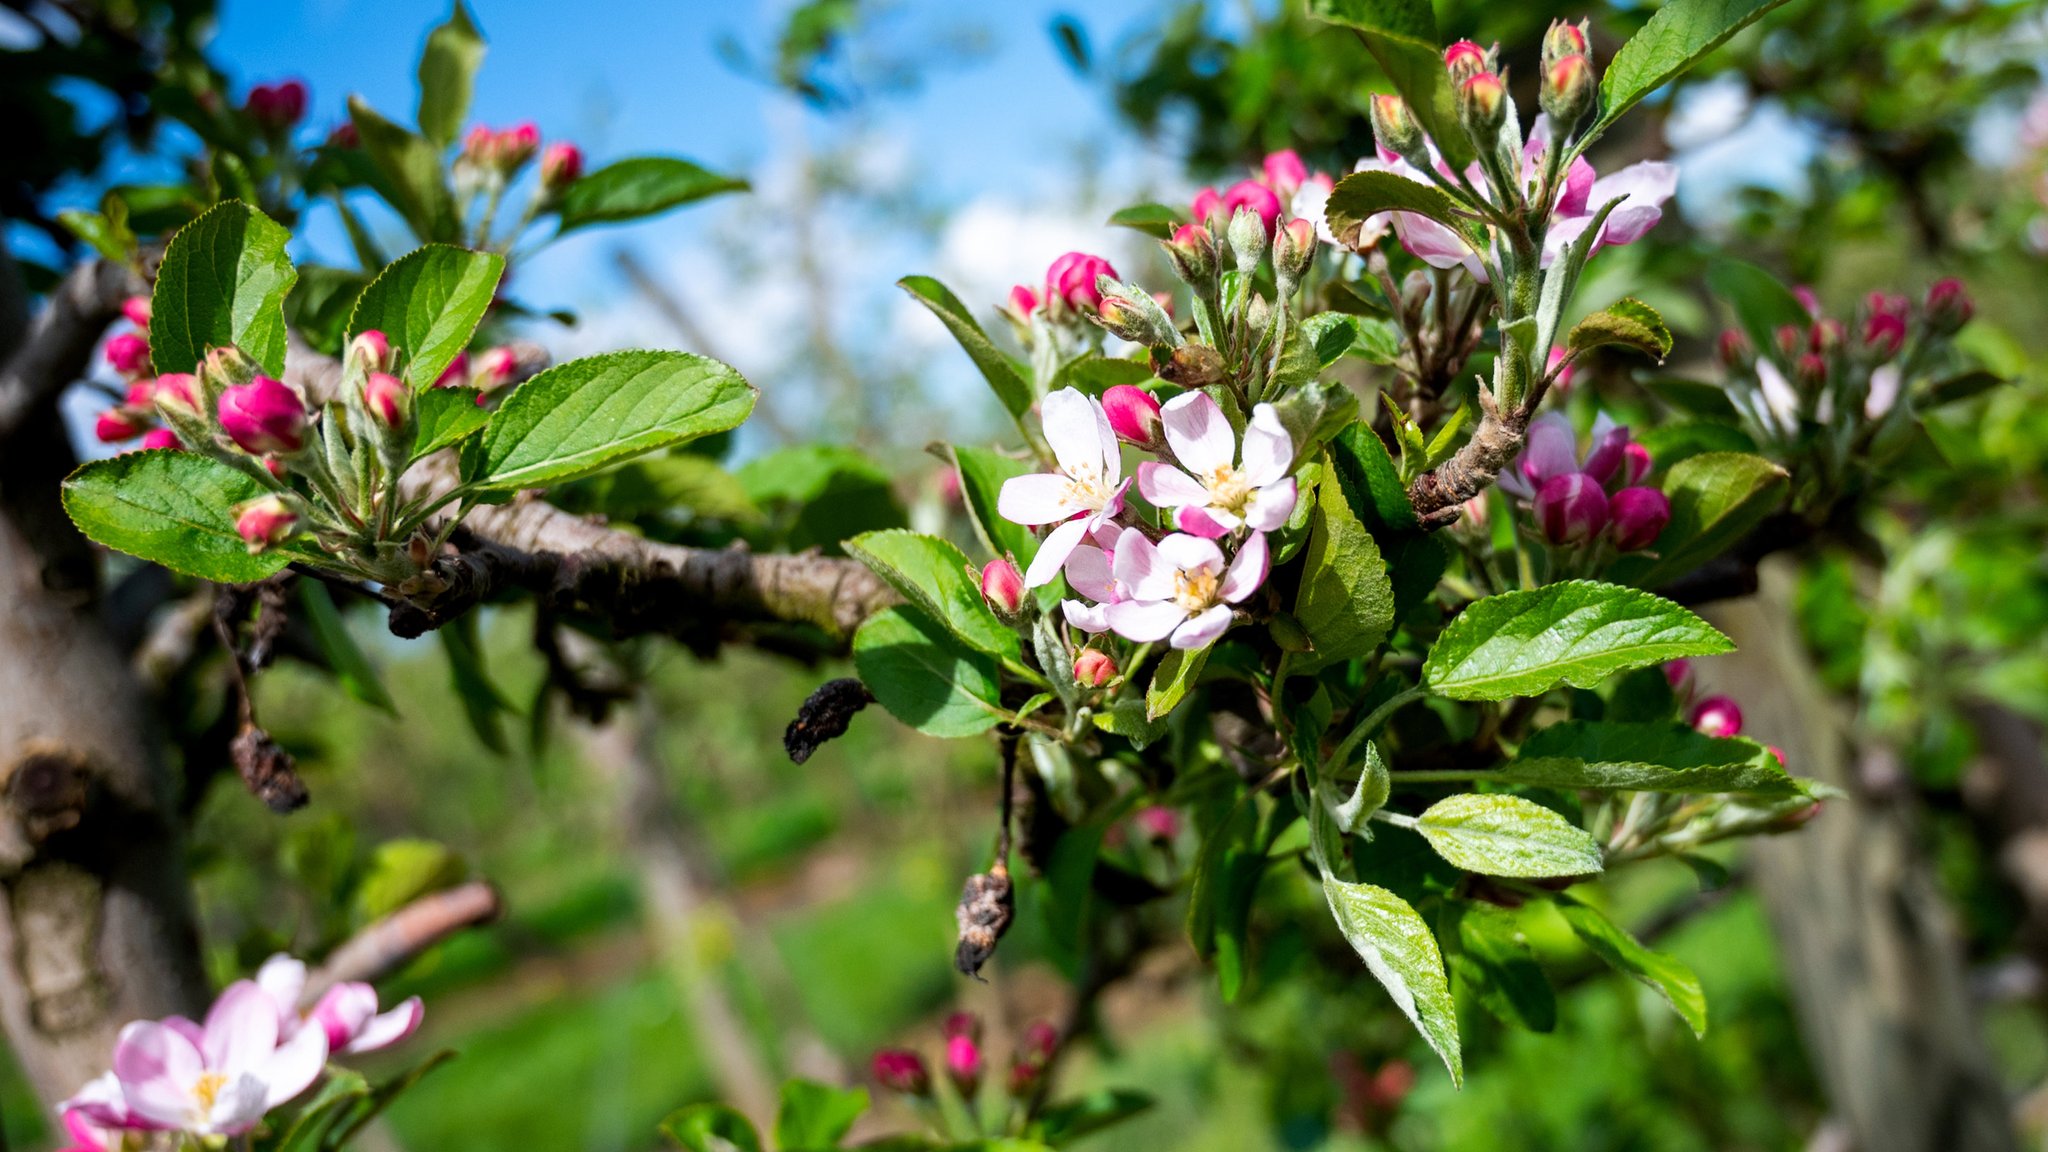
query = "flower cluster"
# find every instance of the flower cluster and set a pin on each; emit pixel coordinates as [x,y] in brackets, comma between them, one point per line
[903,1070]
[1283,183]
[256,1051]
[1136,579]
[135,415]
[1579,500]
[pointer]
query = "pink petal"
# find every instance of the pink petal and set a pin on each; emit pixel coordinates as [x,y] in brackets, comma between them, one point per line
[1268,449]
[1202,630]
[1647,185]
[1200,437]
[291,1069]
[1247,569]
[1429,241]
[1145,621]
[391,1027]
[1208,523]
[1139,567]
[1271,506]
[1169,487]
[241,1029]
[1069,421]
[1088,573]
[1040,498]
[1628,223]
[1191,553]
[158,1068]
[1090,618]
[1576,195]
[1610,441]
[1053,552]
[343,1011]
[1552,449]
[98,1103]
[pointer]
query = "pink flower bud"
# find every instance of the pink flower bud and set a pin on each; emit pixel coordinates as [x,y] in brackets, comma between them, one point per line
[129,354]
[1002,587]
[1884,334]
[1294,248]
[901,1070]
[1807,300]
[560,166]
[1391,1084]
[1133,415]
[264,522]
[116,425]
[496,368]
[1025,1079]
[1638,515]
[1465,59]
[1023,301]
[1825,336]
[1569,90]
[1778,753]
[1563,40]
[141,394]
[1039,1042]
[176,391]
[1394,127]
[1157,822]
[456,374]
[387,399]
[136,309]
[963,1064]
[1571,509]
[1811,371]
[1193,253]
[515,146]
[1949,306]
[264,416]
[1790,340]
[344,137]
[1562,380]
[961,1024]
[1888,304]
[1284,172]
[1207,205]
[1482,105]
[161,438]
[1093,668]
[1255,196]
[1635,463]
[373,348]
[1071,280]
[277,106]
[1735,349]
[1678,673]
[478,145]
[1717,716]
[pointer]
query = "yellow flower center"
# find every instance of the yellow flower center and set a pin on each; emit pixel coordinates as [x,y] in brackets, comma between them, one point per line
[208,1088]
[1088,489]
[1194,591]
[1228,489]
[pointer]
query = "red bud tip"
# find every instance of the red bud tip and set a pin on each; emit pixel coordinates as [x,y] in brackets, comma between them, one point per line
[1093,668]
[1949,306]
[161,438]
[1071,280]
[1571,509]
[1002,587]
[129,354]
[387,399]
[1637,516]
[963,1064]
[1718,716]
[901,1070]
[1133,415]
[1735,349]
[115,425]
[1023,301]
[456,374]
[277,106]
[264,417]
[560,166]
[136,309]
[265,522]
[1465,59]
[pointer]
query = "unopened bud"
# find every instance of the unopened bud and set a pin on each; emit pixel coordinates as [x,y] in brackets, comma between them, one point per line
[1133,415]
[1678,673]
[1192,251]
[963,1065]
[1571,509]
[372,349]
[1482,107]
[1949,306]
[1022,303]
[961,1024]
[1564,40]
[276,107]
[1207,207]
[388,401]
[1258,314]
[162,438]
[224,368]
[901,1070]
[1002,587]
[1294,249]
[456,374]
[1093,668]
[264,522]
[1635,462]
[1637,516]
[1884,333]
[136,309]
[1247,236]
[1158,822]
[1825,336]
[1284,172]
[115,425]
[1465,60]
[176,394]
[1791,340]
[1811,372]
[1394,126]
[345,137]
[1569,91]
[1735,349]
[1071,280]
[513,147]
[263,417]
[560,166]
[129,354]
[1122,317]
[1194,366]
[496,368]
[1717,716]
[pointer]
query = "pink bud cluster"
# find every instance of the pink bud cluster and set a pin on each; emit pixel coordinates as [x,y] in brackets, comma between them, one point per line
[1284,184]
[964,1061]
[503,151]
[1804,359]
[135,415]
[1578,501]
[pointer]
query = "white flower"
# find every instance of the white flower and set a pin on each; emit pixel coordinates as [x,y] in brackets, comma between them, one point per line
[1179,589]
[1087,490]
[1221,496]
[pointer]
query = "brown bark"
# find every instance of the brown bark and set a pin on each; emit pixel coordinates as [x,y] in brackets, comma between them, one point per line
[1869,945]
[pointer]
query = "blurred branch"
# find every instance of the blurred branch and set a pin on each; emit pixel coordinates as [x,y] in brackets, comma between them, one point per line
[389,944]
[57,345]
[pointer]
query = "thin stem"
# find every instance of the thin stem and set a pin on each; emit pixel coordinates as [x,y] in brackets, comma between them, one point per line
[1372,723]
[1395,818]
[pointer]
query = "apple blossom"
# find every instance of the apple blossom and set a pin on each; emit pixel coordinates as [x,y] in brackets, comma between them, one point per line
[1071,280]
[1087,490]
[1002,587]
[217,1079]
[1220,496]
[1571,508]
[1090,570]
[1180,590]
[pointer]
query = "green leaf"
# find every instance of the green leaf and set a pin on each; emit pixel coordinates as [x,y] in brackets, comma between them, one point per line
[934,575]
[1338,334]
[1098,374]
[816,1116]
[1629,322]
[1694,398]
[1364,194]
[1401,35]
[1399,950]
[1577,632]
[447,417]
[638,187]
[1676,38]
[817,495]
[318,306]
[1959,386]
[923,676]
[1716,498]
[412,171]
[448,75]
[1646,757]
[1345,603]
[575,418]
[1316,410]
[1665,975]
[1177,673]
[1493,959]
[1079,1116]
[1002,376]
[357,675]
[171,508]
[1496,834]
[982,473]
[106,234]
[1762,304]
[482,703]
[711,1128]
[1155,220]
[402,871]
[1365,465]
[428,304]
[223,281]
[664,487]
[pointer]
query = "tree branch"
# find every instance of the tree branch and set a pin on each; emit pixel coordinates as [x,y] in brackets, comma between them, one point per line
[59,342]
[389,944]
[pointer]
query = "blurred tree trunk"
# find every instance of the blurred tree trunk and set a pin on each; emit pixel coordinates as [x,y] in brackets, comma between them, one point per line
[1868,942]
[96,922]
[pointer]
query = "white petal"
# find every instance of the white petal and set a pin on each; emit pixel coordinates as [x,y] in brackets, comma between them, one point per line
[1107,446]
[1145,620]
[391,1027]
[239,1104]
[1647,185]
[1198,434]
[1090,618]
[1069,421]
[1203,629]
[1268,449]
[1169,487]
[241,1029]
[1271,506]
[1247,569]
[1088,573]
[292,1068]
[284,978]
[1040,498]
[1191,553]
[1143,572]
[1053,552]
